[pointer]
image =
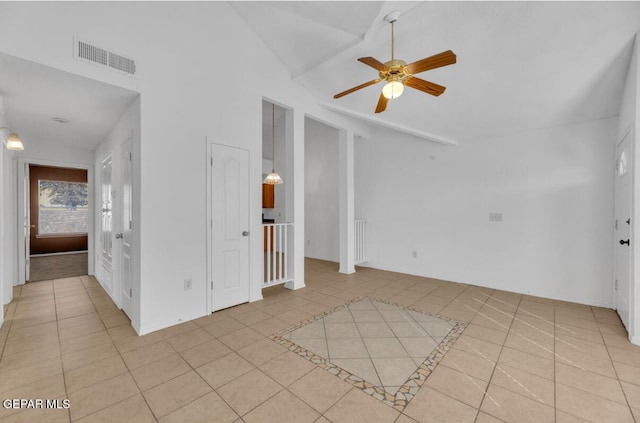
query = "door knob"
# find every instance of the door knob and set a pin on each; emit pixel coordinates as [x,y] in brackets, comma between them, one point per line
[624,242]
[118,236]
[245,233]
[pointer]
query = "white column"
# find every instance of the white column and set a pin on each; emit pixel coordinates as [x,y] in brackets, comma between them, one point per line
[346,202]
[295,193]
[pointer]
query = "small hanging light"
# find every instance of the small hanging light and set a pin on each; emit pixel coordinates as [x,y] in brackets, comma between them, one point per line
[273,178]
[13,141]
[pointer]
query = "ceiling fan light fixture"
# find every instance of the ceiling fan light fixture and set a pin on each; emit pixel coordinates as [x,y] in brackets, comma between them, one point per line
[397,73]
[393,89]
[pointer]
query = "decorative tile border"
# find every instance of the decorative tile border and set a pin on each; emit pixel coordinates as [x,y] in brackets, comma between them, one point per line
[409,389]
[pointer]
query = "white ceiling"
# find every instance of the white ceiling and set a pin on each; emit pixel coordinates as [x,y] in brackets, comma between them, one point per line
[34,94]
[521,65]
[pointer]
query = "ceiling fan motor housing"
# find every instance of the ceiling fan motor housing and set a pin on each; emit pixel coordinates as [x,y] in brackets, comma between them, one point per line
[397,70]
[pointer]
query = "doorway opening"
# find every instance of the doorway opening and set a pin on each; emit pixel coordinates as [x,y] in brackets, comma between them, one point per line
[57,222]
[277,210]
[321,186]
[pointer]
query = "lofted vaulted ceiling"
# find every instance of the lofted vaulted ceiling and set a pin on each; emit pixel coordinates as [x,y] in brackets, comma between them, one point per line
[521,65]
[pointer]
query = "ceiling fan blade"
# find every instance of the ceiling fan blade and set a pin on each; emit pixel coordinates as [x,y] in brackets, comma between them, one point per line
[424,86]
[436,61]
[374,63]
[382,104]
[359,87]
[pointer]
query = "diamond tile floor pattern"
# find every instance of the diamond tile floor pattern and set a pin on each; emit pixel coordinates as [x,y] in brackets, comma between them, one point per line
[379,342]
[519,359]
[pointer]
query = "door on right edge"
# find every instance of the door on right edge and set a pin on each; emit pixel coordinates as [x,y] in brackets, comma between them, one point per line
[622,246]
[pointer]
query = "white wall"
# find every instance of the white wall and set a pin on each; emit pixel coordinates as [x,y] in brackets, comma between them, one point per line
[6,229]
[321,175]
[553,186]
[8,194]
[279,212]
[127,126]
[39,151]
[188,96]
[629,118]
[4,282]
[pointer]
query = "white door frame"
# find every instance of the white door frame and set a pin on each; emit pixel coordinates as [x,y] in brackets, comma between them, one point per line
[25,161]
[26,232]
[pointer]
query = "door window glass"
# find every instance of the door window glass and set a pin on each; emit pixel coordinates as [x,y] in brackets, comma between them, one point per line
[622,163]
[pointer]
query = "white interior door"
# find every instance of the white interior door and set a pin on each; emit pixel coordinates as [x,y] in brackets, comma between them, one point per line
[624,170]
[126,225]
[229,226]
[106,223]
[27,224]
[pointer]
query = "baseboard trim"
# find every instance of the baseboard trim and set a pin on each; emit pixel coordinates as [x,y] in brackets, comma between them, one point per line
[59,254]
[168,323]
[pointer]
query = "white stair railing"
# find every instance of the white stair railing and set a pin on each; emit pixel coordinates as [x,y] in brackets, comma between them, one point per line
[277,253]
[360,241]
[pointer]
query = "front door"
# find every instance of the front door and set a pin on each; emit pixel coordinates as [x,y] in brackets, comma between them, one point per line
[106,223]
[624,166]
[229,226]
[126,225]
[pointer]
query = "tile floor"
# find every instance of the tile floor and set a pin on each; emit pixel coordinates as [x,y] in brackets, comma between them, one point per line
[520,359]
[386,350]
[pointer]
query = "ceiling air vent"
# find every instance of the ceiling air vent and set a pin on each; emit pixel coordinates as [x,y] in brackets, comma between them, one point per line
[91,53]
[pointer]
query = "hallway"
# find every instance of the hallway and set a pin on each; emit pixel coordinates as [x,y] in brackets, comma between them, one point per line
[519,359]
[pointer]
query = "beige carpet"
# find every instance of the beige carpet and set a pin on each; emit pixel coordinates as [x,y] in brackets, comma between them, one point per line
[57,267]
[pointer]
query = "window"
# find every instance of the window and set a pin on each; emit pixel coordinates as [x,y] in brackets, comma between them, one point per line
[62,208]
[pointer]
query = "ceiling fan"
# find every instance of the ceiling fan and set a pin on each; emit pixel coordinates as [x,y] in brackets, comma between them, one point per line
[398,74]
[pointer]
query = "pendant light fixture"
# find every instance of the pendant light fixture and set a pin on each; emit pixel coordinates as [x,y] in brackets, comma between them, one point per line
[273,178]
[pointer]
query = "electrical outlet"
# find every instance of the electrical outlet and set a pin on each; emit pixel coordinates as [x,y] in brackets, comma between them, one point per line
[187,284]
[414,254]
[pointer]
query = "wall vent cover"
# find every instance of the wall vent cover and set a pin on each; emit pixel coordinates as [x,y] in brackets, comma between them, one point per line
[89,52]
